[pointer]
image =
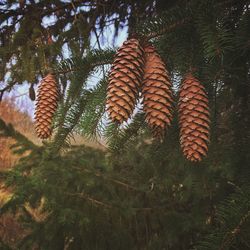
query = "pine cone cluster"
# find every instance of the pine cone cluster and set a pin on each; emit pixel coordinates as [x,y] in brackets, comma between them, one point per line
[124,81]
[194,119]
[157,93]
[138,69]
[46,105]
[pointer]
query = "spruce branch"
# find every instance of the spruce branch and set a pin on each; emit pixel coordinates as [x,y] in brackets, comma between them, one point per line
[105,177]
[78,96]
[232,215]
[91,123]
[116,206]
[119,138]
[71,70]
[230,236]
[90,199]
[7,88]
[93,59]
[167,29]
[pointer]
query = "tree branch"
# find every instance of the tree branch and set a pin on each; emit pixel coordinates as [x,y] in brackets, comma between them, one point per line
[168,28]
[183,21]
[230,236]
[8,87]
[127,186]
[89,198]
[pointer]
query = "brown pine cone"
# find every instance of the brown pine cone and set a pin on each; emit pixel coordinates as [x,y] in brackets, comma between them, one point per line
[46,105]
[157,93]
[194,119]
[124,81]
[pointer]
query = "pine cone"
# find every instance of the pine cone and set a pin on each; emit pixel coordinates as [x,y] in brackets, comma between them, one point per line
[32,93]
[46,105]
[124,81]
[193,119]
[157,93]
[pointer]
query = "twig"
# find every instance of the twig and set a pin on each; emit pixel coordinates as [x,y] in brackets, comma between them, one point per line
[127,186]
[230,236]
[183,21]
[91,199]
[8,87]
[168,28]
[115,206]
[76,69]
[99,46]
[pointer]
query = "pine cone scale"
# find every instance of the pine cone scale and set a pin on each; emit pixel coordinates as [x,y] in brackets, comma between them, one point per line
[120,108]
[132,65]
[116,92]
[116,97]
[124,70]
[164,97]
[154,111]
[126,79]
[127,93]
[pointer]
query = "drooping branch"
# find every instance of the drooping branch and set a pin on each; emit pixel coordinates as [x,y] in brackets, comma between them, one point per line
[177,24]
[118,182]
[7,88]
[230,236]
[168,28]
[62,72]
[90,199]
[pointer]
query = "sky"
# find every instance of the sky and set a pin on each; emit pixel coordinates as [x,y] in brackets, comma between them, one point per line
[20,94]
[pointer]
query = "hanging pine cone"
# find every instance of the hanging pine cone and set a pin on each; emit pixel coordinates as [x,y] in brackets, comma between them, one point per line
[193,119]
[46,105]
[157,93]
[32,93]
[124,81]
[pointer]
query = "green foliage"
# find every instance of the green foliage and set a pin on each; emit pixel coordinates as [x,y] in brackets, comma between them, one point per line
[233,219]
[138,193]
[119,139]
[92,121]
[77,102]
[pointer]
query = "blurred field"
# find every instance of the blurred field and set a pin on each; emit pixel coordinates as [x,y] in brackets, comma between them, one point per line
[10,229]
[22,122]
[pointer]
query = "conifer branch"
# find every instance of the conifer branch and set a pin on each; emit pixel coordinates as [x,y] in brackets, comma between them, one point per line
[168,28]
[230,236]
[66,71]
[91,199]
[179,23]
[7,88]
[98,174]
[109,206]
